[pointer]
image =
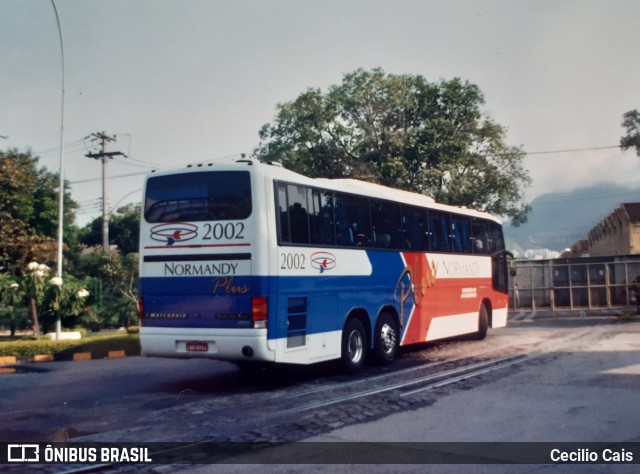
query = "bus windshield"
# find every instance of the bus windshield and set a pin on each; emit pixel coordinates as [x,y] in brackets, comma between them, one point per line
[202,196]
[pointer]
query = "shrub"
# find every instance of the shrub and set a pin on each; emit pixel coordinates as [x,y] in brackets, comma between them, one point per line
[99,346]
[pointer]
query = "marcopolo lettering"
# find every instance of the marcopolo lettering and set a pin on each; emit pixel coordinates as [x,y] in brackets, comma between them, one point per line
[198,269]
[166,315]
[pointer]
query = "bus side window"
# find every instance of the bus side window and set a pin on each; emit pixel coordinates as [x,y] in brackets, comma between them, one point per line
[480,237]
[439,231]
[283,213]
[298,215]
[385,220]
[322,218]
[415,230]
[343,234]
[353,224]
[497,240]
[460,234]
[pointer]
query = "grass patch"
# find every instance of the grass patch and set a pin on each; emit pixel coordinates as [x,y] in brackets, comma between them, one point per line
[99,345]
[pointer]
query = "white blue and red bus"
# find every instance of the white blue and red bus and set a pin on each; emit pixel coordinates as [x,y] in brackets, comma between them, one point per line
[251,262]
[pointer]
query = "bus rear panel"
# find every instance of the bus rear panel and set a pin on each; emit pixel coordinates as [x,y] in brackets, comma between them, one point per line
[199,295]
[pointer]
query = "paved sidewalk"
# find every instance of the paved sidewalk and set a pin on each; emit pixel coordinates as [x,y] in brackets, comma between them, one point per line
[528,314]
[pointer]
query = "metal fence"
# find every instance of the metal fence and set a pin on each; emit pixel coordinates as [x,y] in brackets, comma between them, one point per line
[578,283]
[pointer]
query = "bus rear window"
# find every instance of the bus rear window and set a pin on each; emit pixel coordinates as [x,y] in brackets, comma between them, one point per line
[201,196]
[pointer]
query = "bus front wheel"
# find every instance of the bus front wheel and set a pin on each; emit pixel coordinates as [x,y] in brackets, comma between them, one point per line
[483,323]
[354,346]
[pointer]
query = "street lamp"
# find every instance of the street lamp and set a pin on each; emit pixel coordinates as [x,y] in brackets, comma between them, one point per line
[61,169]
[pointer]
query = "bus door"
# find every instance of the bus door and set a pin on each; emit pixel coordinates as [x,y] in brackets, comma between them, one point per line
[500,270]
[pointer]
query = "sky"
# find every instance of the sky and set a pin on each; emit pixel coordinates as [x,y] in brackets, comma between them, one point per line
[187,81]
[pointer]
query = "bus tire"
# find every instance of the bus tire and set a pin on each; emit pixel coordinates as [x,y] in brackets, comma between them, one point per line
[483,324]
[354,346]
[385,345]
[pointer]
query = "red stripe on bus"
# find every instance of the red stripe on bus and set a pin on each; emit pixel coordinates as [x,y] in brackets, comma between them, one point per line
[169,247]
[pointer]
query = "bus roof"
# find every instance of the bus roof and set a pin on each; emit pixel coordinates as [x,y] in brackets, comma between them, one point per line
[347,185]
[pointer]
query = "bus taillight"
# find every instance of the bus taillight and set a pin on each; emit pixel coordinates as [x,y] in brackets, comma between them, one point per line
[140,308]
[259,307]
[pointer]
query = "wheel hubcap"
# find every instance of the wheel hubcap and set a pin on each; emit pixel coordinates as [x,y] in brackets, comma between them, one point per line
[387,338]
[355,346]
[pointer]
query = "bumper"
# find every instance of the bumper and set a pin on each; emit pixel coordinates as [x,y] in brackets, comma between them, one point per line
[226,344]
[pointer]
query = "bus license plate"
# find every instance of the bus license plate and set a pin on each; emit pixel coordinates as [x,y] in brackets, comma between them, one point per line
[197,346]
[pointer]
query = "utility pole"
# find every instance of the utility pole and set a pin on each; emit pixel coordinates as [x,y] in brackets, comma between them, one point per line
[103,155]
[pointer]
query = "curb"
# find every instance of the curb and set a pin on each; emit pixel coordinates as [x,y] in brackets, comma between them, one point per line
[77,356]
[82,356]
[42,358]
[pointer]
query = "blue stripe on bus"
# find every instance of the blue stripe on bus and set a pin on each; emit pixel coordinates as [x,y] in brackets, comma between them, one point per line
[190,302]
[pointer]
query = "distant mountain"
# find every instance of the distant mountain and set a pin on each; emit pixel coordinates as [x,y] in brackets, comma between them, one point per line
[558,220]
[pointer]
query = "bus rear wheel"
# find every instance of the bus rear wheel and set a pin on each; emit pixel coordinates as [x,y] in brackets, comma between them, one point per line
[385,345]
[354,346]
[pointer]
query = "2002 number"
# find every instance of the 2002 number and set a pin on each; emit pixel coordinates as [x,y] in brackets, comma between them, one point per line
[292,261]
[227,231]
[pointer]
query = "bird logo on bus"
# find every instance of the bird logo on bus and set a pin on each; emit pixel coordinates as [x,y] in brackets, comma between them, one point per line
[174,232]
[323,261]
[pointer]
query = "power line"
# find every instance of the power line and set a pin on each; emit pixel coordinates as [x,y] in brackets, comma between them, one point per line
[110,177]
[148,163]
[571,150]
[56,150]
[136,163]
[89,180]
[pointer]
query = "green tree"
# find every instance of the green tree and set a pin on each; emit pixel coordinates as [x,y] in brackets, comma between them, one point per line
[405,132]
[124,229]
[113,281]
[35,286]
[12,310]
[122,272]
[631,121]
[29,211]
[64,298]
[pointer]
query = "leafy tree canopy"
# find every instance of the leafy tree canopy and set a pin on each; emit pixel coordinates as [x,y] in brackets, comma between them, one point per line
[124,229]
[631,121]
[29,211]
[405,132]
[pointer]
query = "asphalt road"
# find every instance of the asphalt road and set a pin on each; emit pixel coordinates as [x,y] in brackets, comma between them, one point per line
[582,384]
[578,381]
[61,400]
